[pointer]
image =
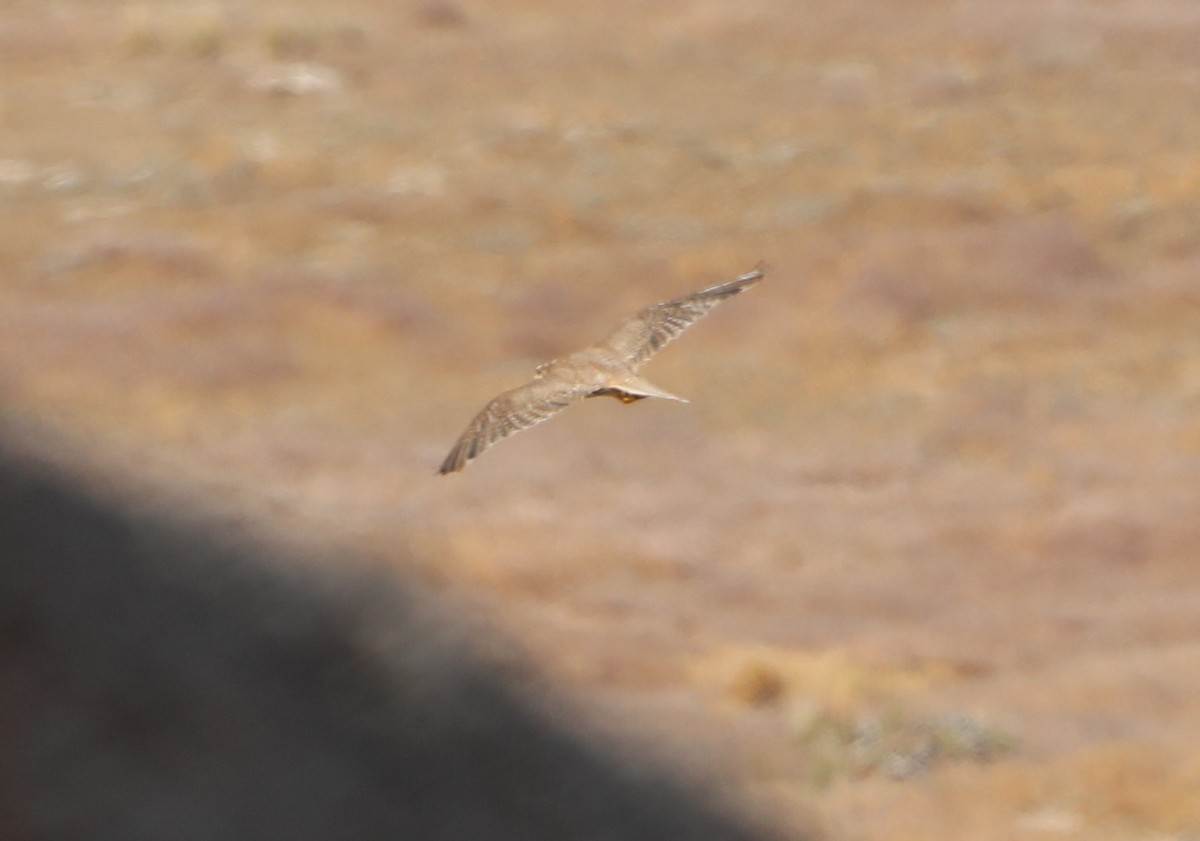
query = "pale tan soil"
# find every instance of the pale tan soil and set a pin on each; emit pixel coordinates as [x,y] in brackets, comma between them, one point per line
[944,462]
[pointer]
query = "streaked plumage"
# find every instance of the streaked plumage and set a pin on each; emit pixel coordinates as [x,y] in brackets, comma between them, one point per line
[608,368]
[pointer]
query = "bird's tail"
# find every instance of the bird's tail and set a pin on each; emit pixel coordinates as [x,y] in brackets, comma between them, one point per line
[641,388]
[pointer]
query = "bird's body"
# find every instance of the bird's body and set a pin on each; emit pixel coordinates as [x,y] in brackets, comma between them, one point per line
[607,369]
[603,373]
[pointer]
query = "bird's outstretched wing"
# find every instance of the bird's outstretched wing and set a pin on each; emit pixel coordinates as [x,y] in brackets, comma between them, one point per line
[509,412]
[642,335]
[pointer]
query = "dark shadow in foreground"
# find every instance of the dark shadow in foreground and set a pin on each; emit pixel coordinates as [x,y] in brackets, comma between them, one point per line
[156,683]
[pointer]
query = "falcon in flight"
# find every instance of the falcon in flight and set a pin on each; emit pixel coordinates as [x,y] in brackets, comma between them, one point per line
[607,368]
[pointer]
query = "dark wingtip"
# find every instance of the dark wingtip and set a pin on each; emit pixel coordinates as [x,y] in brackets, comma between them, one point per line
[454,461]
[742,281]
[755,274]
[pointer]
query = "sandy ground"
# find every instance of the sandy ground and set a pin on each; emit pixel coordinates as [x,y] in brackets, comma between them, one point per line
[918,560]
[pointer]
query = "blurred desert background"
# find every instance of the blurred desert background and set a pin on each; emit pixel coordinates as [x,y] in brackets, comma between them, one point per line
[919,561]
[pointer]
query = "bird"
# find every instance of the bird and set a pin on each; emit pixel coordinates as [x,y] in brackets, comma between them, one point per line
[608,368]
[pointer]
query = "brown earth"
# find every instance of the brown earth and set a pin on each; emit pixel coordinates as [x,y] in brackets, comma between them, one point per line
[919,559]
